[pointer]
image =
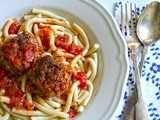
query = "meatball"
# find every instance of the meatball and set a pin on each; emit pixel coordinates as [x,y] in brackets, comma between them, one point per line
[48,77]
[18,54]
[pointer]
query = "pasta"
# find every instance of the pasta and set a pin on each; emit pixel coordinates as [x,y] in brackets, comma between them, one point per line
[67,44]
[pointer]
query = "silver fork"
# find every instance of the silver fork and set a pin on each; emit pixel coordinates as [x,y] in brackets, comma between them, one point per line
[136,107]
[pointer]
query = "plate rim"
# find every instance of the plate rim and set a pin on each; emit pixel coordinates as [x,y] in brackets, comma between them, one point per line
[116,32]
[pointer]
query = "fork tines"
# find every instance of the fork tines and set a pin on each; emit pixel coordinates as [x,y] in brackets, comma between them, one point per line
[128,19]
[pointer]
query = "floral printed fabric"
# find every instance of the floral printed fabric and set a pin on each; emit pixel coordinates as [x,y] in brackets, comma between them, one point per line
[150,77]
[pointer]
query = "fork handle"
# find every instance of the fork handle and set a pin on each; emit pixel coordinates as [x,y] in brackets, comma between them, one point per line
[137,73]
[140,108]
[141,111]
[129,113]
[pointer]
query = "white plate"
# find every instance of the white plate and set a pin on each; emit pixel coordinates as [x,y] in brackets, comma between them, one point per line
[100,27]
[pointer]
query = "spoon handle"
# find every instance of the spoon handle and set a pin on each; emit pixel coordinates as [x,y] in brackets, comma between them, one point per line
[144,52]
[140,108]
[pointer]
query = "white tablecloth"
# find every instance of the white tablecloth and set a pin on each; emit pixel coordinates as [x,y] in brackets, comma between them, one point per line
[150,73]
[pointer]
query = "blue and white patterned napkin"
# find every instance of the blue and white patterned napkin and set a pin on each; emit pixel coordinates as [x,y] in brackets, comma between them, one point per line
[150,78]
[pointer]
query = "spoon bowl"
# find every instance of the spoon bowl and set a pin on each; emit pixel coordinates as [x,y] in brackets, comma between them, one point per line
[148,26]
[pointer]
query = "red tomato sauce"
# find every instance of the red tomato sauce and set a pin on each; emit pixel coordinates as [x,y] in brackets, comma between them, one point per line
[61,41]
[82,77]
[17,97]
[13,29]
[72,113]
[45,35]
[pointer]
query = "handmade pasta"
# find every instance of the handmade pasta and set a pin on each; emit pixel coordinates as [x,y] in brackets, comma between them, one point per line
[48,67]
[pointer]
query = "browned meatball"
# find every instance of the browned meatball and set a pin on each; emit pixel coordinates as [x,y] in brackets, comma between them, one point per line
[18,54]
[48,78]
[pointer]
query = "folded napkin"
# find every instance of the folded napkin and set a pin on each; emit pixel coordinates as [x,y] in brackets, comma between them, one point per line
[150,78]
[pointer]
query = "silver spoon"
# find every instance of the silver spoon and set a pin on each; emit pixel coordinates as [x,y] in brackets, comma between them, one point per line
[148,27]
[148,31]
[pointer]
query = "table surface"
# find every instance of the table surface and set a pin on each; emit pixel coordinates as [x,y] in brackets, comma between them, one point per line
[109,4]
[150,79]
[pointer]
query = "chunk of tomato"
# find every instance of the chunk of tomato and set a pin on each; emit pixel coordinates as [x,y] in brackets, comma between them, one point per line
[61,41]
[45,37]
[13,29]
[82,77]
[74,49]
[72,113]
